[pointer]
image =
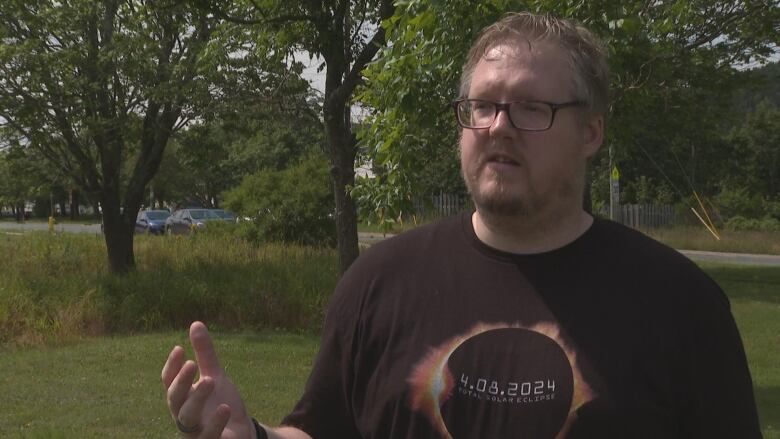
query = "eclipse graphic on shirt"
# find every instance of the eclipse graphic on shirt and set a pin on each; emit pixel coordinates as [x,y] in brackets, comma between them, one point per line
[500,381]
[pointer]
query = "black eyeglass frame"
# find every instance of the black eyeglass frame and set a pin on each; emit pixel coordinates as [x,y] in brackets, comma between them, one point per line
[505,106]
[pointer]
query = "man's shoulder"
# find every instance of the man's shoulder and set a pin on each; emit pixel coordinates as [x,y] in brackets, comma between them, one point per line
[625,242]
[639,258]
[413,244]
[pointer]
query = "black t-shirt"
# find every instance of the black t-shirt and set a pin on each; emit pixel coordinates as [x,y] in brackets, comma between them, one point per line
[433,334]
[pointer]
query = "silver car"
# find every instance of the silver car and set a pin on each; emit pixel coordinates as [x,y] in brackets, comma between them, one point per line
[185,221]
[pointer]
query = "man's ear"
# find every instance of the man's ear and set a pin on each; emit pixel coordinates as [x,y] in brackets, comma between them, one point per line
[593,134]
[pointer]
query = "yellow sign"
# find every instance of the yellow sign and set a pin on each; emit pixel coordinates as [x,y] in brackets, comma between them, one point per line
[615,173]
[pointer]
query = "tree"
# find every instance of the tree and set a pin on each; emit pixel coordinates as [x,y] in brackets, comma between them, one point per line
[18,182]
[672,63]
[214,155]
[346,35]
[293,205]
[756,153]
[98,88]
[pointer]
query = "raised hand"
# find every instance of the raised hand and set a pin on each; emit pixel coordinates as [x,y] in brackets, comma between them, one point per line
[211,408]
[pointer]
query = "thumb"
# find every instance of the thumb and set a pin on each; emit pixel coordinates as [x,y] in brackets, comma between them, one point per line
[208,363]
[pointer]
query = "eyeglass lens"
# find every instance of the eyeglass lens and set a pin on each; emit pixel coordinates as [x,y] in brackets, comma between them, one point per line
[528,115]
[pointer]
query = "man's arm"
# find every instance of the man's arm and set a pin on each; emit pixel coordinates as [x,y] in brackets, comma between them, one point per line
[212,407]
[720,400]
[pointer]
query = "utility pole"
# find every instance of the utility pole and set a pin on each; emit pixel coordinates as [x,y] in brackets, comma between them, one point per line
[614,189]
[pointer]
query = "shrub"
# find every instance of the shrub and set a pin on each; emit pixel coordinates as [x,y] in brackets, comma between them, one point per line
[766,224]
[294,205]
[740,202]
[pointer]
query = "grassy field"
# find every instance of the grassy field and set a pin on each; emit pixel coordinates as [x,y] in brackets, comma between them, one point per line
[109,386]
[81,351]
[755,302]
[56,288]
[698,238]
[58,220]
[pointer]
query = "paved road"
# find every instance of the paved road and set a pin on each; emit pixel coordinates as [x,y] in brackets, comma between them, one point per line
[371,238]
[733,258]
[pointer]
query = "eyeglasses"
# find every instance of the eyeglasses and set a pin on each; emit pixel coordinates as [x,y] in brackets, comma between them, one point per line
[524,115]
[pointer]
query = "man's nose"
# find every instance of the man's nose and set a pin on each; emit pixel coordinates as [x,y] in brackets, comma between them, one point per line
[502,125]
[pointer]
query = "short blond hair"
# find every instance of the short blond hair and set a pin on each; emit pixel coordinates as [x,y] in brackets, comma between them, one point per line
[587,55]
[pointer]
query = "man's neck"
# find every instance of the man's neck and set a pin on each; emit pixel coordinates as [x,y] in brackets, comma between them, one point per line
[526,235]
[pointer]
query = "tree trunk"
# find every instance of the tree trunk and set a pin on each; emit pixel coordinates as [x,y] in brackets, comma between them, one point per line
[118,234]
[74,204]
[342,150]
[119,243]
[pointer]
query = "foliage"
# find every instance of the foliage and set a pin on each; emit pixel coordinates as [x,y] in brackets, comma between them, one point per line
[672,63]
[410,133]
[740,202]
[213,156]
[346,35]
[755,158]
[17,178]
[97,88]
[294,205]
[765,224]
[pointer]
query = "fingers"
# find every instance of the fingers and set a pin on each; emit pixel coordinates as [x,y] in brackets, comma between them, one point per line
[180,387]
[204,350]
[172,366]
[192,409]
[216,424]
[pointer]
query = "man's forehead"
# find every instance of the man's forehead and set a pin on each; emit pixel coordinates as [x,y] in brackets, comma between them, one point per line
[544,63]
[524,50]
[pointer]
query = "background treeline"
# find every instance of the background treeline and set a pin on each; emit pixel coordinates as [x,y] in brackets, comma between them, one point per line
[130,104]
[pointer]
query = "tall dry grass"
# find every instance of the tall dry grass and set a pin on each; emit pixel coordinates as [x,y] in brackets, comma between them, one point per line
[698,238]
[55,288]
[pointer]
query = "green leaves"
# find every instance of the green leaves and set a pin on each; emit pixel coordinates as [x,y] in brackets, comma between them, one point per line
[672,75]
[294,205]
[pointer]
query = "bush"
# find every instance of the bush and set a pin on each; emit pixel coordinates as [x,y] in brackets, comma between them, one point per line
[294,205]
[740,202]
[766,224]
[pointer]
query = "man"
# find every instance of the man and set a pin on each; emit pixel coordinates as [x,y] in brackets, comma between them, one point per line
[525,319]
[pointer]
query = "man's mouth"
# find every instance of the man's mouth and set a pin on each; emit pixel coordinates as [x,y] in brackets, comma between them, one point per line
[502,159]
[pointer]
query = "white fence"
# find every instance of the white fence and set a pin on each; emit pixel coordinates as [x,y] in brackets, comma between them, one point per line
[441,205]
[647,216]
[633,215]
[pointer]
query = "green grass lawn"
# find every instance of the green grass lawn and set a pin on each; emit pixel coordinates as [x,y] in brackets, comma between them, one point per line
[755,301]
[110,386]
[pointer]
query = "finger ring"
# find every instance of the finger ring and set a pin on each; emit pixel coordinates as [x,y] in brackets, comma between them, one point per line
[184,429]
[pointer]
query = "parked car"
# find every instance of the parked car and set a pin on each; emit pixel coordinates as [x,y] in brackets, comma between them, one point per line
[226,215]
[185,221]
[151,221]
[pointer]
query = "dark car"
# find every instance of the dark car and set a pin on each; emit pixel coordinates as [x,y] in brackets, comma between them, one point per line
[225,214]
[151,221]
[185,221]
